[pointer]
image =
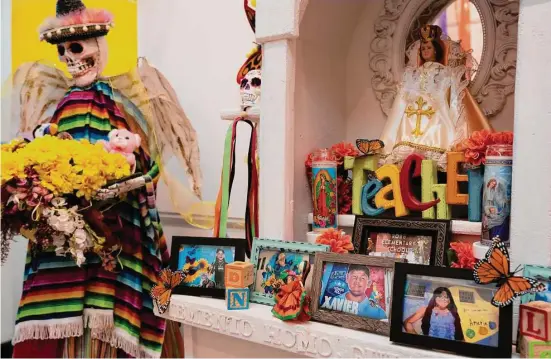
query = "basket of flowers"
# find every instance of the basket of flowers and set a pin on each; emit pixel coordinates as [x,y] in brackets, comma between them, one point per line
[48,188]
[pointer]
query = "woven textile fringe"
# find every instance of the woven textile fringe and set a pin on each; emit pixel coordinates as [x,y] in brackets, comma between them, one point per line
[118,338]
[48,329]
[98,319]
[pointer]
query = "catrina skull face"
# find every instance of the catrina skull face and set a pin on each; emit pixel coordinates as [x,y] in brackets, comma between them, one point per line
[85,59]
[250,89]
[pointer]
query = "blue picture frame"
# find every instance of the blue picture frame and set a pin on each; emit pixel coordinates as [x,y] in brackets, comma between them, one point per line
[263,249]
[543,274]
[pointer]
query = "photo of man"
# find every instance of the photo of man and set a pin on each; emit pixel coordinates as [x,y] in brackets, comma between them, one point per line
[350,296]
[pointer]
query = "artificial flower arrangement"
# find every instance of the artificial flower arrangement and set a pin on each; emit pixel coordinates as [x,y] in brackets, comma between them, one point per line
[47,188]
[461,255]
[475,146]
[344,182]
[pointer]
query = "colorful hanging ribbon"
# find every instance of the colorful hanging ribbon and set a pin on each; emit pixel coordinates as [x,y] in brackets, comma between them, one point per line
[224,193]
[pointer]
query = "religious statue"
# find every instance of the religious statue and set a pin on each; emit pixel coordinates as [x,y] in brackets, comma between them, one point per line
[89,311]
[433,109]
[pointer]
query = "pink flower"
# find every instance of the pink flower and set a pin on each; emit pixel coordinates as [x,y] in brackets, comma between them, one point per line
[344,149]
[465,255]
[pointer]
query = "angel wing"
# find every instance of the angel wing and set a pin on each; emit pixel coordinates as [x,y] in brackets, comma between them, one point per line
[37,89]
[172,131]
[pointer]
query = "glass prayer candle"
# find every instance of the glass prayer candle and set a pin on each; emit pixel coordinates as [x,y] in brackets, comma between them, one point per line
[324,190]
[496,198]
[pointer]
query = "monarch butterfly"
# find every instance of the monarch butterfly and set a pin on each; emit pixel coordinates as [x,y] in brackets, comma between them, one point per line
[162,291]
[369,147]
[495,268]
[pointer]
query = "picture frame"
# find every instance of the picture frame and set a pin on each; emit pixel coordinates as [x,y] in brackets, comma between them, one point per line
[208,282]
[543,274]
[468,324]
[267,256]
[409,238]
[338,309]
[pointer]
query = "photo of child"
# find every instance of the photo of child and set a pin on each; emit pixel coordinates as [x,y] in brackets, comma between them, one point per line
[273,263]
[439,318]
[354,289]
[204,265]
[453,309]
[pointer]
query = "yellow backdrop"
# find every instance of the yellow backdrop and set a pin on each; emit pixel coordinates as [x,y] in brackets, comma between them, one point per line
[27,15]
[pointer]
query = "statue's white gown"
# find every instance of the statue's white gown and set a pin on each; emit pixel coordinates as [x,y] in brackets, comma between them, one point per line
[427,114]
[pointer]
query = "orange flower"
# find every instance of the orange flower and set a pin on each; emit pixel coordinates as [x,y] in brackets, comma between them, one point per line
[475,146]
[343,149]
[336,240]
[465,255]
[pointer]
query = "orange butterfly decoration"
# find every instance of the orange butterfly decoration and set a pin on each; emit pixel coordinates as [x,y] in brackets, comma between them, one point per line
[369,147]
[161,292]
[495,268]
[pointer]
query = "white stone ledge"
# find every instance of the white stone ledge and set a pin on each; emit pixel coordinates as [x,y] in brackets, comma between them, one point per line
[310,339]
[458,227]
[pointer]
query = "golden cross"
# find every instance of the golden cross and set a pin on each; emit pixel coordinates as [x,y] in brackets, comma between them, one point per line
[410,111]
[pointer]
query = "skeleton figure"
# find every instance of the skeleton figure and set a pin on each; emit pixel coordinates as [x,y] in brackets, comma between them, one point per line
[85,59]
[250,89]
[88,107]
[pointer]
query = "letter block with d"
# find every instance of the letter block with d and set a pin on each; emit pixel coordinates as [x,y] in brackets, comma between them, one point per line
[535,320]
[238,275]
[237,298]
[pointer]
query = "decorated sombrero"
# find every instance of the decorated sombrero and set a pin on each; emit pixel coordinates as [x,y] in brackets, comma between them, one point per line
[73,21]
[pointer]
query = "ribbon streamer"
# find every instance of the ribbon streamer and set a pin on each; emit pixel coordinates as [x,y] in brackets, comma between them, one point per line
[228,174]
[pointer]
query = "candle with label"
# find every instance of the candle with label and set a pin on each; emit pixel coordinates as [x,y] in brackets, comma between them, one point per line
[324,190]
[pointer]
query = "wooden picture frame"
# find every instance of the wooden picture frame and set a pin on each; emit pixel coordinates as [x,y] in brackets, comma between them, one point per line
[470,302]
[178,259]
[262,249]
[340,317]
[435,231]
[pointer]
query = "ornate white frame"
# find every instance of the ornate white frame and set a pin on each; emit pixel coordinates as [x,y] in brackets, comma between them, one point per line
[495,79]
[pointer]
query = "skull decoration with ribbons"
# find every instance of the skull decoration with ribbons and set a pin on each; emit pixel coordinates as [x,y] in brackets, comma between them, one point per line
[250,89]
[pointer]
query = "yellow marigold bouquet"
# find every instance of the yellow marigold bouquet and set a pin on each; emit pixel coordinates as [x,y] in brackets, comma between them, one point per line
[47,185]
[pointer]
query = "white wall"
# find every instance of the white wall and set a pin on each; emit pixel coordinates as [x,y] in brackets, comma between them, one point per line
[199,46]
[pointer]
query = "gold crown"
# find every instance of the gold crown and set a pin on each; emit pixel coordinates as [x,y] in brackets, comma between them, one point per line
[430,32]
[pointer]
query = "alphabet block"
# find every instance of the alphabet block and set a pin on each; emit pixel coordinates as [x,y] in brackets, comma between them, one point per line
[453,196]
[237,298]
[429,187]
[358,165]
[535,320]
[393,174]
[476,181]
[238,275]
[534,348]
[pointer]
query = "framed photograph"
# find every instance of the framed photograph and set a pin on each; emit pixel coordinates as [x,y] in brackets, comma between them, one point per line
[420,241]
[353,291]
[204,261]
[543,274]
[443,308]
[272,257]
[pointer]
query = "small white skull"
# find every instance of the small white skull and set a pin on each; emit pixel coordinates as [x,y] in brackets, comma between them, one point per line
[85,59]
[250,89]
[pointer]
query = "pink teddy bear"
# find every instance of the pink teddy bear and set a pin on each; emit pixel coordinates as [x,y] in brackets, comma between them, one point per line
[124,142]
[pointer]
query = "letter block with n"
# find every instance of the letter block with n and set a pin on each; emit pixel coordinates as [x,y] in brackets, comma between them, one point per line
[237,298]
